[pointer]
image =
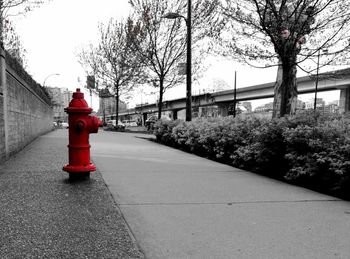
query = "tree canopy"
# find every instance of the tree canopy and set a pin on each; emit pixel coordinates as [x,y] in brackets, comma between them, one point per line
[285,31]
[9,39]
[160,44]
[111,61]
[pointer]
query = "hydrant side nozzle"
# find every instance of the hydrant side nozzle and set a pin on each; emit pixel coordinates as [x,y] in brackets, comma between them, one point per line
[95,124]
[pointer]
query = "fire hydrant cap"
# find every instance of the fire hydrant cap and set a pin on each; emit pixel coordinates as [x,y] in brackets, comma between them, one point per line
[78,94]
[78,104]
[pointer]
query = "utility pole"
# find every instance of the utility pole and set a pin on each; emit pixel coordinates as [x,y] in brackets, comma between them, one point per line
[316,84]
[189,64]
[235,95]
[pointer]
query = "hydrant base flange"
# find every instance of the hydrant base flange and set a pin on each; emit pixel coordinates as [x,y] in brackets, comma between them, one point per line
[79,169]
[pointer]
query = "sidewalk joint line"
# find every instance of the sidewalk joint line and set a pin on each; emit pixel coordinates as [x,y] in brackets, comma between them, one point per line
[223,203]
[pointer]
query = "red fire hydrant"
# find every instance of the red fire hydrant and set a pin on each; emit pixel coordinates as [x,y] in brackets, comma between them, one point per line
[81,124]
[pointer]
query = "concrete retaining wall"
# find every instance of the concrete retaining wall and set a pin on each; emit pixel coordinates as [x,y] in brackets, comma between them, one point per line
[2,129]
[24,115]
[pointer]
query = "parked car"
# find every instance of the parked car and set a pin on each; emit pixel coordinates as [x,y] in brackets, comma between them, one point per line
[111,124]
[64,125]
[149,123]
[129,123]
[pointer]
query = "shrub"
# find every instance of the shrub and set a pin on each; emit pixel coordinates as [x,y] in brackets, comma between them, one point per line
[307,149]
[319,156]
[265,150]
[163,130]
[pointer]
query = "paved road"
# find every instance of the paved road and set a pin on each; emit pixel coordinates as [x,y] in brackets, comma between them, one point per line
[182,206]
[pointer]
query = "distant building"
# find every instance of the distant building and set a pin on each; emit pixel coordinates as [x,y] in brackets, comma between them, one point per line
[206,111]
[300,105]
[335,102]
[60,98]
[241,107]
[267,107]
[320,103]
[247,106]
[331,108]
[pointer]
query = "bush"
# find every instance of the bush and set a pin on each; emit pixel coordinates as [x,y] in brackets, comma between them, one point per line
[307,149]
[264,153]
[163,131]
[318,156]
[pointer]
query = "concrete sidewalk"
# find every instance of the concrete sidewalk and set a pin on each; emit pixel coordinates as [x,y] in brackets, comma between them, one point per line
[183,206]
[175,204]
[43,215]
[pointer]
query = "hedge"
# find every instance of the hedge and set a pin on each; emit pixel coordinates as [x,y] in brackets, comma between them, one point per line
[307,149]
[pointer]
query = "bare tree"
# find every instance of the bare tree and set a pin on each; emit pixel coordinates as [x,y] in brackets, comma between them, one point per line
[112,62]
[9,39]
[161,43]
[13,43]
[15,7]
[288,32]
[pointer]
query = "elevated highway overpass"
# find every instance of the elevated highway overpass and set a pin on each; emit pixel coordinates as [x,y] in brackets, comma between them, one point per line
[337,80]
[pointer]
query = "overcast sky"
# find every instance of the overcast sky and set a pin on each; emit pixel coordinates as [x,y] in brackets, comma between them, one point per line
[53,33]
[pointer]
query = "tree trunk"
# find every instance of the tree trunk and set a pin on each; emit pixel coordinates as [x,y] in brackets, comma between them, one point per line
[1,25]
[277,88]
[104,111]
[160,101]
[116,104]
[285,92]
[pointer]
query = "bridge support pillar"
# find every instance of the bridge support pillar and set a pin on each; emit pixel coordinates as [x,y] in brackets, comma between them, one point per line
[144,118]
[344,100]
[174,114]
[223,109]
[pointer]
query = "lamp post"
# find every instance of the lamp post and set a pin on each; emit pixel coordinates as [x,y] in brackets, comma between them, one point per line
[189,57]
[48,77]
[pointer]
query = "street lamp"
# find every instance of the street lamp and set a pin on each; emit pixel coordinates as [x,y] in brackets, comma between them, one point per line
[48,77]
[189,58]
